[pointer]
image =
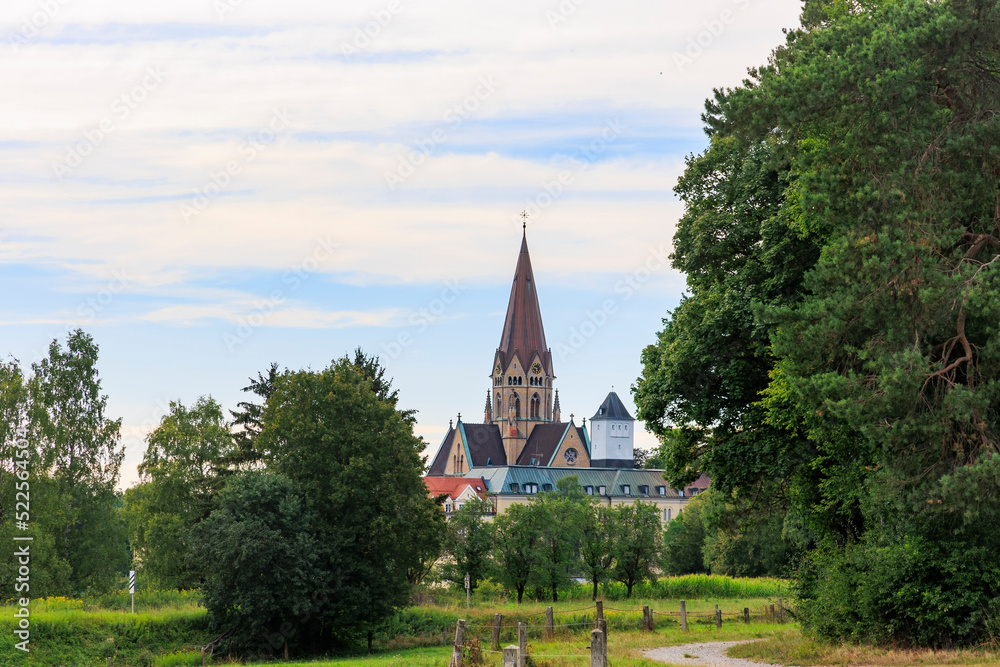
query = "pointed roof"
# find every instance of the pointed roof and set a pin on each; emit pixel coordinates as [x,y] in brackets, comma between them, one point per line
[522,329]
[612,408]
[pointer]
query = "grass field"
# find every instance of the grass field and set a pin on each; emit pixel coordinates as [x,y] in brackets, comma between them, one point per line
[171,625]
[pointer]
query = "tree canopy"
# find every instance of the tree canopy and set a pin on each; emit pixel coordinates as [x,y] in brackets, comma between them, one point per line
[837,354]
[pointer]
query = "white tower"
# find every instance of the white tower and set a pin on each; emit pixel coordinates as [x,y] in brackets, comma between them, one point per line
[611,435]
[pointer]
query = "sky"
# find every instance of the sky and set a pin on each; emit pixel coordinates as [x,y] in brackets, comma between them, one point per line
[209,186]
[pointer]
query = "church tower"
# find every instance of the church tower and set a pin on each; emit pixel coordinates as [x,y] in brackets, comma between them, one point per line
[522,366]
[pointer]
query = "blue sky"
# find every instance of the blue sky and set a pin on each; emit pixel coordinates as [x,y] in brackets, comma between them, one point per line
[207,186]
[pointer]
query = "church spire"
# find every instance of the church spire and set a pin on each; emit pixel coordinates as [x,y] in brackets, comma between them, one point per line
[522,329]
[556,411]
[488,417]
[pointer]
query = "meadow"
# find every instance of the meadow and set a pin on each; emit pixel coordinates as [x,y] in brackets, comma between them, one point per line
[170,626]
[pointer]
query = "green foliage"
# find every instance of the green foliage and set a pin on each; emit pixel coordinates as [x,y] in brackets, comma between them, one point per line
[516,550]
[558,516]
[264,560]
[636,541]
[469,541]
[684,541]
[838,354]
[596,557]
[337,435]
[73,459]
[183,469]
[78,637]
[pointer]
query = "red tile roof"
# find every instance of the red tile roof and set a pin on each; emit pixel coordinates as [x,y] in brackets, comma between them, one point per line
[454,486]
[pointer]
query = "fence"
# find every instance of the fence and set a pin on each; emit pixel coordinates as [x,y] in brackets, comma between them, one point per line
[468,648]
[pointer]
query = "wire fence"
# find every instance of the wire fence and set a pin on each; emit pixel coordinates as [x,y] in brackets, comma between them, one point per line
[482,642]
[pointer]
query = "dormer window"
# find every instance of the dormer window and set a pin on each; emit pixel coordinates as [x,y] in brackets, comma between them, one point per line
[546,487]
[513,488]
[662,490]
[589,490]
[602,490]
[644,490]
[626,490]
[531,488]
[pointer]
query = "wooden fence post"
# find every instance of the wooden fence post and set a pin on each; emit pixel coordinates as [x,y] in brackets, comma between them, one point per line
[684,617]
[772,614]
[600,612]
[718,618]
[456,653]
[549,623]
[510,656]
[522,644]
[598,649]
[602,625]
[497,624]
[746,615]
[781,611]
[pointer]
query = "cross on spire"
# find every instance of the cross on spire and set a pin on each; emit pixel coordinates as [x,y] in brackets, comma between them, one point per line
[524,220]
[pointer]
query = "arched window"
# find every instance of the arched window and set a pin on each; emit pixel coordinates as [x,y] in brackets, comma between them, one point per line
[536,404]
[517,407]
[498,408]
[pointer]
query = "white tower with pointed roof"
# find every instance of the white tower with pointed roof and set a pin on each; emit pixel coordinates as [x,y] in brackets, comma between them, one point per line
[612,431]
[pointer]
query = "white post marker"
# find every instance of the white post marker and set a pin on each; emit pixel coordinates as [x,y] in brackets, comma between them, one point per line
[131,587]
[468,588]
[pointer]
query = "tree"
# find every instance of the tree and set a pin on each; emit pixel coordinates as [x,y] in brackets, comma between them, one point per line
[78,457]
[183,469]
[557,515]
[516,548]
[868,347]
[684,541]
[247,416]
[644,458]
[596,556]
[635,543]
[265,562]
[354,455]
[470,542]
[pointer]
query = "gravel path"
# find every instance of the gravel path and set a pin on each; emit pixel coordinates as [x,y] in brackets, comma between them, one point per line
[710,654]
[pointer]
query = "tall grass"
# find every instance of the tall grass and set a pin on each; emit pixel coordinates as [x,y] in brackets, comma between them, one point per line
[688,586]
[65,632]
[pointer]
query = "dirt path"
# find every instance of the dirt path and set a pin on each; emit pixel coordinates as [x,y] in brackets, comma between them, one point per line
[708,654]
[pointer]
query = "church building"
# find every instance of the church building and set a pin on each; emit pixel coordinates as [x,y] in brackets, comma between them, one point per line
[522,422]
[522,445]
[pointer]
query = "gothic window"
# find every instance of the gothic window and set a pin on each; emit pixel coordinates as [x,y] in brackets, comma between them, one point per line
[517,407]
[535,406]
